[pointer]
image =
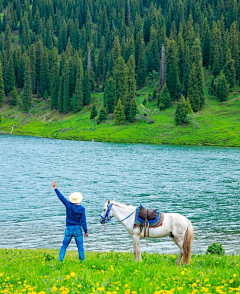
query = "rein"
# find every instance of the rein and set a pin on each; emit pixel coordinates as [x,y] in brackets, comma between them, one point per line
[107,217]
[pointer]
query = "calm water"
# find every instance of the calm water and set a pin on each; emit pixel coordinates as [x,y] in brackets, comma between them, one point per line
[201,183]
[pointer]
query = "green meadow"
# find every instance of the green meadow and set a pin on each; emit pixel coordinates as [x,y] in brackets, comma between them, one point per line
[39,271]
[217,124]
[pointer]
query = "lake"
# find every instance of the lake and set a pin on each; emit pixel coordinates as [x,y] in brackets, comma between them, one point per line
[202,183]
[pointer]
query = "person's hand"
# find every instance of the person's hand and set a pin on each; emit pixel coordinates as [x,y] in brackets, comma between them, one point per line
[54,185]
[86,235]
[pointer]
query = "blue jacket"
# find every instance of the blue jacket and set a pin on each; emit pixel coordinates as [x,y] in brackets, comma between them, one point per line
[75,213]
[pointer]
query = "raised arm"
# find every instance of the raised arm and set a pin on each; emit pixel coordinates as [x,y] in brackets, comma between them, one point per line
[60,196]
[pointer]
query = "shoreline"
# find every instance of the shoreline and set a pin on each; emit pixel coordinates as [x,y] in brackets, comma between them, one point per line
[121,141]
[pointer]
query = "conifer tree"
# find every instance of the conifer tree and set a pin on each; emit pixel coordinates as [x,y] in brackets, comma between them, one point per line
[101,61]
[32,55]
[153,51]
[10,79]
[120,80]
[164,100]
[1,86]
[116,50]
[131,85]
[78,95]
[141,66]
[229,69]
[27,88]
[216,61]
[133,110]
[102,114]
[109,96]
[60,95]
[54,79]
[66,86]
[14,97]
[94,112]
[222,89]
[26,39]
[86,89]
[182,111]
[173,82]
[44,73]
[206,42]
[193,91]
[119,115]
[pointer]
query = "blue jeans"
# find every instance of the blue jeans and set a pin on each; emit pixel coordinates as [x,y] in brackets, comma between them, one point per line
[76,232]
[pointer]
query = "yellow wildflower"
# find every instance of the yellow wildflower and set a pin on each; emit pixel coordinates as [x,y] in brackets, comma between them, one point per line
[100,289]
[72,274]
[127,291]
[180,288]
[183,273]
[234,275]
[54,289]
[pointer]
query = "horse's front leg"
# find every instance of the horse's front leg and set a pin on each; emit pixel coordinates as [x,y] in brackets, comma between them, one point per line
[136,247]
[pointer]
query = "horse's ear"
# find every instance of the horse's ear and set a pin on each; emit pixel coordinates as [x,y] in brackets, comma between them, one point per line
[108,201]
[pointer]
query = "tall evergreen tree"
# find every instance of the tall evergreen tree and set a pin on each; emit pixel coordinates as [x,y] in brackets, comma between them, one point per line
[173,82]
[182,111]
[78,95]
[141,65]
[133,110]
[86,89]
[109,96]
[66,86]
[14,97]
[222,89]
[119,115]
[229,69]
[55,79]
[94,112]
[1,86]
[44,73]
[193,90]
[120,80]
[27,88]
[164,100]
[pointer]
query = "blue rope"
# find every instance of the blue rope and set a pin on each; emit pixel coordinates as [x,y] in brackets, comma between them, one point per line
[129,215]
[107,217]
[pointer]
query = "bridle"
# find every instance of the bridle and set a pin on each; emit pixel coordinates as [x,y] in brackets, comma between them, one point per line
[108,217]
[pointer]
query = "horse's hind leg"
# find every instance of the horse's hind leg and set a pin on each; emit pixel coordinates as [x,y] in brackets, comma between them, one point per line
[178,240]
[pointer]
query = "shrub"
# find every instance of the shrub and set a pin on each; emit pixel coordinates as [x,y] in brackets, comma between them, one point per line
[215,249]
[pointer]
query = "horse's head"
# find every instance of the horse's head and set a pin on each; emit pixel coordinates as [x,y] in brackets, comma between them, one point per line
[107,213]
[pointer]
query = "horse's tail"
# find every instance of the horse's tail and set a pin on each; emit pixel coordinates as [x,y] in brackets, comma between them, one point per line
[187,244]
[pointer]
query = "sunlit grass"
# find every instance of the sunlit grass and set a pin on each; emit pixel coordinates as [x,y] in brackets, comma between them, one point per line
[217,124]
[39,271]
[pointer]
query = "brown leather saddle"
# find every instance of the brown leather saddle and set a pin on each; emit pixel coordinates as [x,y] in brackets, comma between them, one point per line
[147,215]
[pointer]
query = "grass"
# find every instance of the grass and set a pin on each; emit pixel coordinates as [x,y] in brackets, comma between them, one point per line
[217,124]
[39,271]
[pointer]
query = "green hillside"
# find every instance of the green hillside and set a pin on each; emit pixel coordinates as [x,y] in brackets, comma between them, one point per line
[216,124]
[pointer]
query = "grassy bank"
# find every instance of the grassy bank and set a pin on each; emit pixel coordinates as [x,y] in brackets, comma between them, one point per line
[217,124]
[39,271]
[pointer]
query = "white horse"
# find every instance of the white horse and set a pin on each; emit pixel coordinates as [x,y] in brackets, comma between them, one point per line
[175,225]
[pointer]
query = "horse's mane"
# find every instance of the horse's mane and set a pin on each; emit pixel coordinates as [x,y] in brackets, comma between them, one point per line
[123,205]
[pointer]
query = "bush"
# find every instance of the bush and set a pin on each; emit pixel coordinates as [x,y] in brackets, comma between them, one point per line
[215,249]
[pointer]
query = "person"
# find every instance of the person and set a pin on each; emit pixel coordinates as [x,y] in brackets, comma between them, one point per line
[75,221]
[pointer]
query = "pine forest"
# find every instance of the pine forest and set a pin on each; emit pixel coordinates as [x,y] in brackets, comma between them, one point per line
[65,50]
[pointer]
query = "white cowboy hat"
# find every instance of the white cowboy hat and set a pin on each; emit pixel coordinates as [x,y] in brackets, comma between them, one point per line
[76,197]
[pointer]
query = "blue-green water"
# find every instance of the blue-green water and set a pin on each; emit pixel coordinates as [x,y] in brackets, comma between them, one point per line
[201,183]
